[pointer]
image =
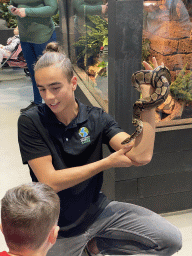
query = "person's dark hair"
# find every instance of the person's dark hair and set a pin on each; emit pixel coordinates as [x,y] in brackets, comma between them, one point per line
[54,56]
[28,213]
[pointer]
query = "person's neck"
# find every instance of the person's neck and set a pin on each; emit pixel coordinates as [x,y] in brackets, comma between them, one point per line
[42,251]
[28,253]
[69,114]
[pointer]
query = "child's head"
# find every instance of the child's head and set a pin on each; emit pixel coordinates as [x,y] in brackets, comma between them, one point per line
[54,56]
[28,214]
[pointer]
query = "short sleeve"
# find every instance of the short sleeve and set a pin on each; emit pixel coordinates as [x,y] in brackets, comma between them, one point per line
[31,143]
[111,127]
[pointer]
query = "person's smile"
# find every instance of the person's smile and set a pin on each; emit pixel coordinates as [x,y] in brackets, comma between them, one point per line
[53,106]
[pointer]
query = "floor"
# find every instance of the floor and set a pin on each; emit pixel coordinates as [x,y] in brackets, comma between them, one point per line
[16,93]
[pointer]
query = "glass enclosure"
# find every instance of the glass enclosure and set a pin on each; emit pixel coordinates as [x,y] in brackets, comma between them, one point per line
[167,35]
[88,27]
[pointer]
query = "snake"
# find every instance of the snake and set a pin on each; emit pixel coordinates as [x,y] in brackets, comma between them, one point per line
[160,80]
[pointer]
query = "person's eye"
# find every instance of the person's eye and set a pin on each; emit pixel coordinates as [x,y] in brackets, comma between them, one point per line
[41,90]
[56,88]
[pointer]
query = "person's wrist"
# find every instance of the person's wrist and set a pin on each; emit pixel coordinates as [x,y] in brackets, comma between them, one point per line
[106,163]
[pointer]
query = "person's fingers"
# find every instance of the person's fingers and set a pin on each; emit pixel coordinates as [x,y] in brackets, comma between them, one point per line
[147,66]
[154,62]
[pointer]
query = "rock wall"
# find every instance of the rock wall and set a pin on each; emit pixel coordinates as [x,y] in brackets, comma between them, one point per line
[172,44]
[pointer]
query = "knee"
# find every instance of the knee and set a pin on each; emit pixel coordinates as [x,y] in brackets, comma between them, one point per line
[177,243]
[173,242]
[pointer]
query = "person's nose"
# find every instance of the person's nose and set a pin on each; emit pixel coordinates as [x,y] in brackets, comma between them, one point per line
[49,95]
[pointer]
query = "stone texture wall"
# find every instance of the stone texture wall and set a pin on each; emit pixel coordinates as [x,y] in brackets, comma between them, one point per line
[172,44]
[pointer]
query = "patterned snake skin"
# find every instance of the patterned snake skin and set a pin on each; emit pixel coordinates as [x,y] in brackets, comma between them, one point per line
[160,79]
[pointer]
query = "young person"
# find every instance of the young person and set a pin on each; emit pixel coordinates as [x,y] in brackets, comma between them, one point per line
[36,29]
[61,141]
[29,216]
[12,42]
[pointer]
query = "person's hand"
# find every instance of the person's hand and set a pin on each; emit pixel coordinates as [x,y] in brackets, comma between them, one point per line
[1,46]
[104,8]
[148,66]
[119,158]
[146,89]
[20,12]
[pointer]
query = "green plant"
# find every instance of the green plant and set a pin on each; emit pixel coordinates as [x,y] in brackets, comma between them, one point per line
[96,36]
[55,19]
[7,16]
[181,88]
[145,49]
[103,64]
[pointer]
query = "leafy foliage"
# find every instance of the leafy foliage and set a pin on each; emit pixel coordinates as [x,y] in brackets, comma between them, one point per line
[7,16]
[55,19]
[181,88]
[96,36]
[145,49]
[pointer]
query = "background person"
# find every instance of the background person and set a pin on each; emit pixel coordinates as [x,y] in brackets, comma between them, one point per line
[82,9]
[62,140]
[12,42]
[29,216]
[36,29]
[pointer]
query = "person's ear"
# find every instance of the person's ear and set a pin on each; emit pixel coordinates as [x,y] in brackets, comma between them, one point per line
[53,235]
[74,82]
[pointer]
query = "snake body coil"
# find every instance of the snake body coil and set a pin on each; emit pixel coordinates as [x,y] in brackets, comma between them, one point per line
[160,79]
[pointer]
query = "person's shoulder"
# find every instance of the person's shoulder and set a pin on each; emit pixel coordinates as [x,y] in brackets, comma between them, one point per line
[33,112]
[92,110]
[93,113]
[99,115]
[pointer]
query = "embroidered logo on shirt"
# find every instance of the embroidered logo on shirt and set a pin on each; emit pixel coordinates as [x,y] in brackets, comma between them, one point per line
[83,133]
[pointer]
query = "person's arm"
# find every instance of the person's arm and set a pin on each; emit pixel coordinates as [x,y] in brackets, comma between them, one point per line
[10,47]
[49,9]
[66,178]
[142,150]
[36,153]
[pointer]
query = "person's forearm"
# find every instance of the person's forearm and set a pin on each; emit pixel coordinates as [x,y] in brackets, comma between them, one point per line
[142,151]
[69,177]
[48,10]
[62,179]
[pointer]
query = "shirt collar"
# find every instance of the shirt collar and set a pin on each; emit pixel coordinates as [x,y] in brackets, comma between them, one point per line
[81,117]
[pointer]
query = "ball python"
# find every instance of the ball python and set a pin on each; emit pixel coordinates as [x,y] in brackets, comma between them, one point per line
[160,79]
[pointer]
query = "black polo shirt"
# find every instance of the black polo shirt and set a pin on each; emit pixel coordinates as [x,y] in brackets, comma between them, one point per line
[41,134]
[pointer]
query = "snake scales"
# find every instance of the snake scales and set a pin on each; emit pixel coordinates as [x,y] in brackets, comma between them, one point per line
[160,79]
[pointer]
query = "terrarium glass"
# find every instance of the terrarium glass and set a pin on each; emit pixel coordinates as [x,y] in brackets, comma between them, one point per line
[88,29]
[167,35]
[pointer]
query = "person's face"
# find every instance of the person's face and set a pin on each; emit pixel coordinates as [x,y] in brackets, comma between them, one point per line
[55,89]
